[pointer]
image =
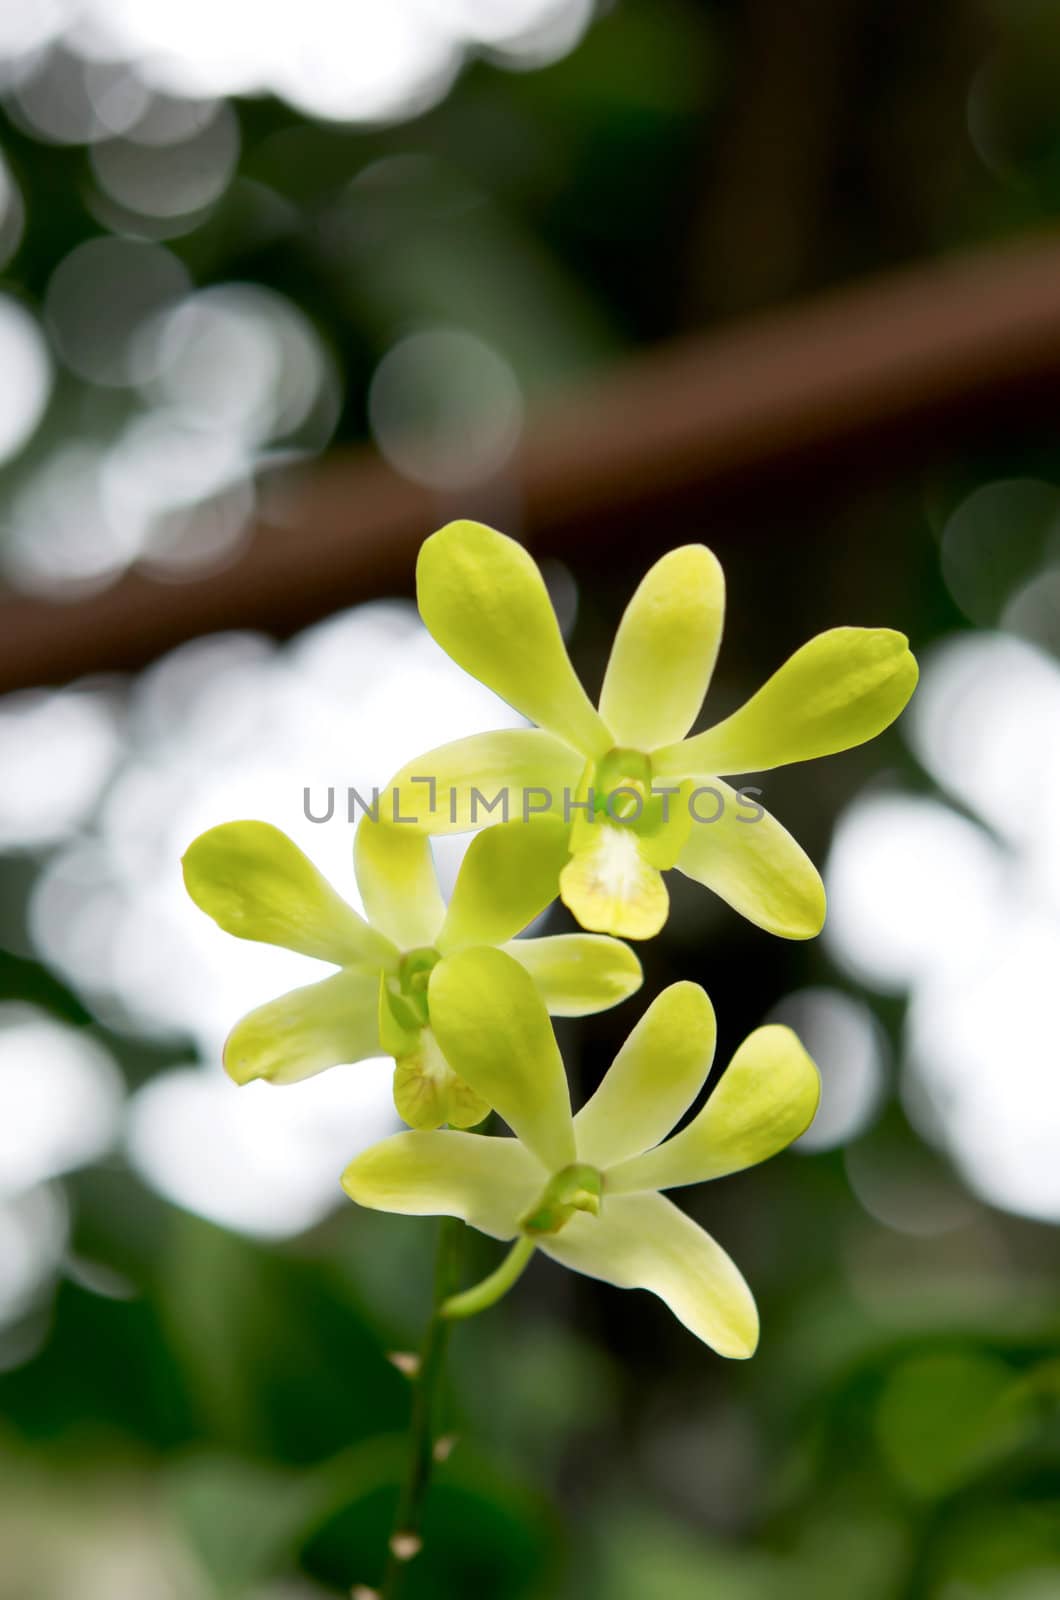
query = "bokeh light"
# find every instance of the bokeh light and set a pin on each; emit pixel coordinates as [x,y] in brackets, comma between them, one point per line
[906,1185]
[849,1047]
[1032,611]
[257,1160]
[446,409]
[64,99]
[27,375]
[999,535]
[60,1099]
[979,726]
[60,534]
[910,884]
[519,32]
[57,750]
[214,383]
[34,1230]
[963,916]
[85,71]
[174,178]
[98,299]
[242,361]
[12,214]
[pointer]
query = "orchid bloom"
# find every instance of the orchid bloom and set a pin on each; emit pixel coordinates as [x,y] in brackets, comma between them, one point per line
[586,1189]
[256,883]
[483,599]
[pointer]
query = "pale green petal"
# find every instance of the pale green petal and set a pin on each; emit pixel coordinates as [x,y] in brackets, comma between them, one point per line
[642,1241]
[428,1093]
[306,1031]
[610,887]
[515,774]
[577,974]
[839,690]
[766,1098]
[487,1182]
[484,600]
[653,1080]
[665,649]
[398,883]
[583,813]
[495,1034]
[672,823]
[754,865]
[508,876]
[256,883]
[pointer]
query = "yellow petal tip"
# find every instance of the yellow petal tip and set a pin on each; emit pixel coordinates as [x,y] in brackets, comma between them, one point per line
[241,1070]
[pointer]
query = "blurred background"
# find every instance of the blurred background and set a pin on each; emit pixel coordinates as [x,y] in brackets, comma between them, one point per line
[281,290]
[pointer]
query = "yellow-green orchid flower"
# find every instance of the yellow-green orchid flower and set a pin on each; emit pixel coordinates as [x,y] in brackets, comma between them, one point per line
[483,599]
[586,1189]
[256,883]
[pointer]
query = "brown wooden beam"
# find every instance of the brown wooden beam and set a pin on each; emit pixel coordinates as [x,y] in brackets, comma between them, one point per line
[891,356]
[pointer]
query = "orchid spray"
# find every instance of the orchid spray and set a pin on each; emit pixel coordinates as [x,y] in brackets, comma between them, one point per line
[591,805]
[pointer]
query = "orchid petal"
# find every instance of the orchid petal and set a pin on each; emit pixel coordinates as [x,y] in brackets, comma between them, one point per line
[484,600]
[495,1034]
[665,649]
[767,1097]
[840,689]
[256,883]
[488,1182]
[578,974]
[508,876]
[754,864]
[306,1031]
[653,1080]
[643,1241]
[398,883]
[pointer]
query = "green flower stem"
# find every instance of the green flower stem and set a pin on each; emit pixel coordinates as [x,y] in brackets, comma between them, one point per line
[489,1291]
[409,1515]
